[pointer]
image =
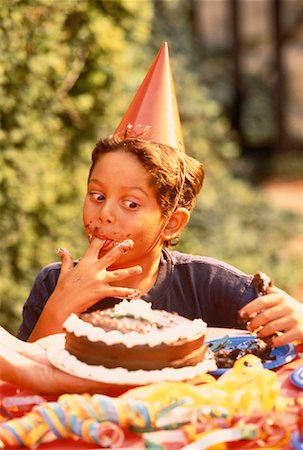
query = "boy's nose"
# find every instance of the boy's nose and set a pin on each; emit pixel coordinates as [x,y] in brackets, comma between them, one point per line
[106,213]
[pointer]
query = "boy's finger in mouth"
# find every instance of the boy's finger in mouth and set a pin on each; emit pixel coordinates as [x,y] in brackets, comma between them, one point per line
[115,250]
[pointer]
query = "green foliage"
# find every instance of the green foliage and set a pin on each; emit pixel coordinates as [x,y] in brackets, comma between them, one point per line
[64,77]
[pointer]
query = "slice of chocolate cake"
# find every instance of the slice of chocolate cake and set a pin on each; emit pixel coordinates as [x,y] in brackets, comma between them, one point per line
[133,336]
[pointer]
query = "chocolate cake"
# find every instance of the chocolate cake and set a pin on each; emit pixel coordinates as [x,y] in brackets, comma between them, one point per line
[133,336]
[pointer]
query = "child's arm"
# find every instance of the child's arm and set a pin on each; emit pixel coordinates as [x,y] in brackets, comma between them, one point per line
[25,364]
[275,311]
[81,286]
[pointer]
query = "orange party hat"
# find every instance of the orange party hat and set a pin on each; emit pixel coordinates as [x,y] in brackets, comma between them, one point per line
[153,113]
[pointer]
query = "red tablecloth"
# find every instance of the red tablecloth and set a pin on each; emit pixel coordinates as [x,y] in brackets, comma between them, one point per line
[133,441]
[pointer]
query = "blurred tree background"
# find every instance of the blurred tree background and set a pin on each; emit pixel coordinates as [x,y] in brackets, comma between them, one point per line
[68,72]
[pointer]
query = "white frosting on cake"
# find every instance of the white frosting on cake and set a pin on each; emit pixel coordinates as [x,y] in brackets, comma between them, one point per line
[139,309]
[190,329]
[62,359]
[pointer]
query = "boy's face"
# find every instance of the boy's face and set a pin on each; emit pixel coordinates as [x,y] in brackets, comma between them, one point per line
[121,204]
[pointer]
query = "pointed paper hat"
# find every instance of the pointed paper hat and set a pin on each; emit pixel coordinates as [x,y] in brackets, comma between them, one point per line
[154,108]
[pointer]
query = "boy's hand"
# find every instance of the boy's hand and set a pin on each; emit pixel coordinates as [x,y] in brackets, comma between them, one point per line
[275,312]
[90,281]
[81,286]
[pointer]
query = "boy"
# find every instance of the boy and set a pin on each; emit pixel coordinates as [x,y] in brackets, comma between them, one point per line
[141,189]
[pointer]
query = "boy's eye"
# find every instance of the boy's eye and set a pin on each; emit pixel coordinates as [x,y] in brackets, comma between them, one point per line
[131,204]
[98,196]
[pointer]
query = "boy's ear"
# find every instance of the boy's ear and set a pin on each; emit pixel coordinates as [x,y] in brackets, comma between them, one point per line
[177,222]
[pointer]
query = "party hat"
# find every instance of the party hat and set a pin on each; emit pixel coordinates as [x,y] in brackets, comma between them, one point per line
[153,113]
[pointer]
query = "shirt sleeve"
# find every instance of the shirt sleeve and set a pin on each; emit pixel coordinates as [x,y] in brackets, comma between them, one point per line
[231,290]
[41,290]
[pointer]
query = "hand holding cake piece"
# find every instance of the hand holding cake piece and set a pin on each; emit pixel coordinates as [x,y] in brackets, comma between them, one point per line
[273,313]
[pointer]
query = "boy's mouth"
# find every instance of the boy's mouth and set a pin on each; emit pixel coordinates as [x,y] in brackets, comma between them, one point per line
[108,243]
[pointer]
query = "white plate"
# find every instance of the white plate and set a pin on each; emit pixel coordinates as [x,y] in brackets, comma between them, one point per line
[66,362]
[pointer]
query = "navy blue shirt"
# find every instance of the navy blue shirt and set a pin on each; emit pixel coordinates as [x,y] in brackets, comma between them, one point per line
[192,286]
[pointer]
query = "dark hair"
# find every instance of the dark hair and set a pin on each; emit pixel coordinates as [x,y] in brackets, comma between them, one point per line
[176,177]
